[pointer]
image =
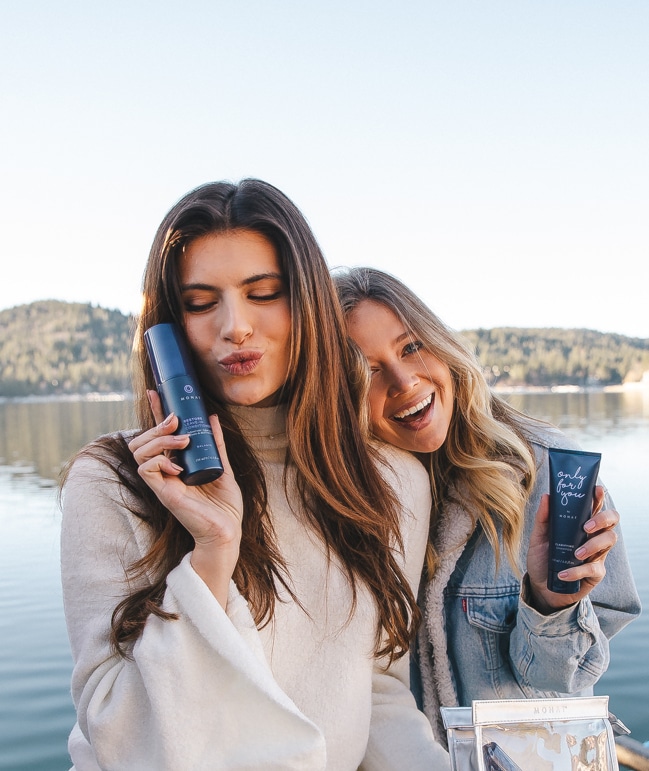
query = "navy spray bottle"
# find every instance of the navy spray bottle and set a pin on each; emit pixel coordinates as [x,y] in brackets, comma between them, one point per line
[177,385]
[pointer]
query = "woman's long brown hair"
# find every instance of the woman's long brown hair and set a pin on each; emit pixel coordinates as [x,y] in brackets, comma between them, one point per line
[340,485]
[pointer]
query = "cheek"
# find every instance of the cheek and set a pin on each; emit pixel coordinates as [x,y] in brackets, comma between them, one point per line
[188,329]
[284,324]
[446,379]
[197,337]
[376,404]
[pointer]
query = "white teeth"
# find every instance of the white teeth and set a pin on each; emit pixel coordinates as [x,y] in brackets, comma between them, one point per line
[416,408]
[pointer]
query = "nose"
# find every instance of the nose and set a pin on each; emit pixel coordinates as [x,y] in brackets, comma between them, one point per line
[401,380]
[236,323]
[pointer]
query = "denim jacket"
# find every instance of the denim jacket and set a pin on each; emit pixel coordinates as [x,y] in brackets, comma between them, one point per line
[479,638]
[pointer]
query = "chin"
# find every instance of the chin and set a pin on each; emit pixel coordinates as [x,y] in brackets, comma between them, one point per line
[402,442]
[242,400]
[417,443]
[256,400]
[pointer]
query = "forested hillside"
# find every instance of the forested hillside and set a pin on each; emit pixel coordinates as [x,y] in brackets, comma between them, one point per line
[52,347]
[547,357]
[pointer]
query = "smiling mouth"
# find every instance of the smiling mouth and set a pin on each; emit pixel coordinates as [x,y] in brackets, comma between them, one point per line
[414,413]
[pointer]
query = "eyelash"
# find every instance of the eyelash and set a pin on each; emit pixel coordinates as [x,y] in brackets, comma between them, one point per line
[408,350]
[196,307]
[413,347]
[201,307]
[266,297]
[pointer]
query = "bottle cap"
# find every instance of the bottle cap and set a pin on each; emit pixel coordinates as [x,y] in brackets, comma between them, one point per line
[168,352]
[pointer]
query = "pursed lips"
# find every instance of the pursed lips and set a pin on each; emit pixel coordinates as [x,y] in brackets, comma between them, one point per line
[241,362]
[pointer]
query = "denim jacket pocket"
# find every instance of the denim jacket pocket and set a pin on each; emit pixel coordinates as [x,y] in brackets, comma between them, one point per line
[493,613]
[492,619]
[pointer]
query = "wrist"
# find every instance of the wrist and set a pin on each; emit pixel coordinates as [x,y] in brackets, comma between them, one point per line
[215,570]
[535,600]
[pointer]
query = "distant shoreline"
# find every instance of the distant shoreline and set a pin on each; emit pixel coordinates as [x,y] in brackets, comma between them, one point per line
[572,389]
[125,396]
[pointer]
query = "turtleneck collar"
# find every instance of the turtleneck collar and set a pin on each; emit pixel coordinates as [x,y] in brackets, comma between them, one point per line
[263,427]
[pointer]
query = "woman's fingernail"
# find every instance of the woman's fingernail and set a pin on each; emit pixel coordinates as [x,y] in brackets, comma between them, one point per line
[581,551]
[590,525]
[167,420]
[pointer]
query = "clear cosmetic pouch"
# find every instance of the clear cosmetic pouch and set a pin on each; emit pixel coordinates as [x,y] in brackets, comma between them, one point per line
[458,722]
[565,734]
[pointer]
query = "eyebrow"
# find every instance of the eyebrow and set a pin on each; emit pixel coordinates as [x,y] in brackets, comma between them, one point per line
[246,282]
[407,335]
[397,341]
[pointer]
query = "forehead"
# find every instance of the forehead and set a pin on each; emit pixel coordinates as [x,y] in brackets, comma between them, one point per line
[230,256]
[373,327]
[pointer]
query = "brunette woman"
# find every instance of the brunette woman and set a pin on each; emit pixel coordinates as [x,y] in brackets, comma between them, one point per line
[261,620]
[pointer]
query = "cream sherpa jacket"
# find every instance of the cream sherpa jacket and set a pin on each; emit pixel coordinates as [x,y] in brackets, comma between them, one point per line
[210,690]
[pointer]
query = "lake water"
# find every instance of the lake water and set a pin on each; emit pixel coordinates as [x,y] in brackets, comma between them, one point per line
[36,438]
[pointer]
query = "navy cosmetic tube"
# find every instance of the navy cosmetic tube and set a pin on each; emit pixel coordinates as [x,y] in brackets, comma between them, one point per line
[497,760]
[177,385]
[573,476]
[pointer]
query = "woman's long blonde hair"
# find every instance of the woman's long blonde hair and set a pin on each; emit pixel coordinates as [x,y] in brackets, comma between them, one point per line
[340,486]
[486,454]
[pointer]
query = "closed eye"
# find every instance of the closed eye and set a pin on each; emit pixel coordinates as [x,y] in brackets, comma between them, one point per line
[198,307]
[265,298]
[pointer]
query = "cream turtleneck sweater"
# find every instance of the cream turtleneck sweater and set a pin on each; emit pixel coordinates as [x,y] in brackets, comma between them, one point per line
[210,690]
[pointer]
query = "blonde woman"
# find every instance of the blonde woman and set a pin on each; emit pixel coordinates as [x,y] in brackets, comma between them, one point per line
[491,627]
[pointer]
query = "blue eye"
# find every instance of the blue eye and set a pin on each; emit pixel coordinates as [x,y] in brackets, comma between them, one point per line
[413,347]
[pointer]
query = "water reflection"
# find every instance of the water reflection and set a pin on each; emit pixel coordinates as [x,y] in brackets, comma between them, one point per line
[599,411]
[40,437]
[37,438]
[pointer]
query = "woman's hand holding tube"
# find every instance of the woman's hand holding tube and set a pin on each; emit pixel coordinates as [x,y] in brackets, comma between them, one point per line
[211,513]
[601,539]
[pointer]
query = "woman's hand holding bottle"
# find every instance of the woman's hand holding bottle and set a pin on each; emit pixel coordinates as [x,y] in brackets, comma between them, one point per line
[601,539]
[211,513]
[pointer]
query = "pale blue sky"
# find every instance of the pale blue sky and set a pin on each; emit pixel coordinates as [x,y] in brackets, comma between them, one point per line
[494,155]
